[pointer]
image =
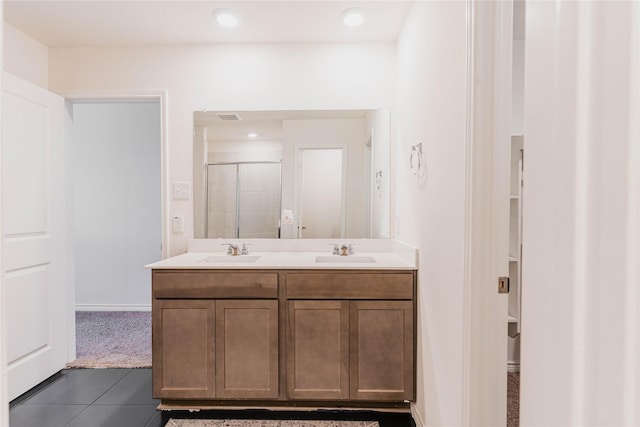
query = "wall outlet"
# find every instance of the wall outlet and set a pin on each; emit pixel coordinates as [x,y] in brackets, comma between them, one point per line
[178,224]
[181,191]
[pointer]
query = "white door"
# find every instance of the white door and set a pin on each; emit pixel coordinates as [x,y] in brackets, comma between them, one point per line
[321,208]
[35,261]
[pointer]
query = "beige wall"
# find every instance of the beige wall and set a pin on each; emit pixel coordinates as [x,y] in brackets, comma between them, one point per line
[229,77]
[25,57]
[427,102]
[348,133]
[581,223]
[429,211]
[379,132]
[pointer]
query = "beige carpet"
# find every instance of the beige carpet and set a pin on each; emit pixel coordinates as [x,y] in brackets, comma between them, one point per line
[513,399]
[268,423]
[112,339]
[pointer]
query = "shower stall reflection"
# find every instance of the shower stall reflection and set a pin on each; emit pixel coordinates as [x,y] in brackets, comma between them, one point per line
[243,200]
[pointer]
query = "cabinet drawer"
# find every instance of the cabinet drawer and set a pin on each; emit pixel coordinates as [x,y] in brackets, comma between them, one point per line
[211,284]
[350,285]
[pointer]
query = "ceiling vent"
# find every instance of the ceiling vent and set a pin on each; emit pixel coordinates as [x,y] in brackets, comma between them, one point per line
[228,116]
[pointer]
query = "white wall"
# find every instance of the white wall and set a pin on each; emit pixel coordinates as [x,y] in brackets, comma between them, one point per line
[378,127]
[581,308]
[229,78]
[4,393]
[25,57]
[116,192]
[200,159]
[350,133]
[429,213]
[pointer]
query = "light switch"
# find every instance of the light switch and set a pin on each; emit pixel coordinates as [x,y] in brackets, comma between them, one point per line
[178,224]
[287,217]
[181,191]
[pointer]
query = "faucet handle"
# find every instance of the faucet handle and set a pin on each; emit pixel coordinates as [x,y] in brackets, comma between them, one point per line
[336,248]
[350,249]
[245,248]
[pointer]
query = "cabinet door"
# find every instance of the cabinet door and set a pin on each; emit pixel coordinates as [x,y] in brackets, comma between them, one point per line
[381,350]
[183,348]
[247,349]
[318,350]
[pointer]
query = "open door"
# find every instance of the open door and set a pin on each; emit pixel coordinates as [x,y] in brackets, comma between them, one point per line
[38,288]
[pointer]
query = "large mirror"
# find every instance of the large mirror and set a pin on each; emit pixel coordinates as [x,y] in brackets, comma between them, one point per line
[291,174]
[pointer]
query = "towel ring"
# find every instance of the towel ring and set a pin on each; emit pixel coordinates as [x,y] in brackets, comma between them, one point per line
[416,159]
[379,180]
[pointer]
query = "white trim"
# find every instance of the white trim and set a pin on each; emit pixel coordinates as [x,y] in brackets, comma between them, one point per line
[111,307]
[415,414]
[487,151]
[4,387]
[513,367]
[468,203]
[631,403]
[145,95]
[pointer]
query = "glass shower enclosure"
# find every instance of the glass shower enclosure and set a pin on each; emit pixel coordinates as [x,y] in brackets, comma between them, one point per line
[243,200]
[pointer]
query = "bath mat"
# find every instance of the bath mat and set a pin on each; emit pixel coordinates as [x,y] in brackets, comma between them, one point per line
[112,339]
[267,423]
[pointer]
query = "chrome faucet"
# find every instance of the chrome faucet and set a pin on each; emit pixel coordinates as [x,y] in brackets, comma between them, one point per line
[232,249]
[343,249]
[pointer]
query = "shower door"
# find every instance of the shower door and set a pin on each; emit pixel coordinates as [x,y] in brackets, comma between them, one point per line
[243,200]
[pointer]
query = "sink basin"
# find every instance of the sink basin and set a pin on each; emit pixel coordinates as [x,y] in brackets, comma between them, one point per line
[223,259]
[336,259]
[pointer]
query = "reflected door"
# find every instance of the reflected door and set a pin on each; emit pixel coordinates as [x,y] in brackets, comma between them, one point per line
[243,200]
[321,209]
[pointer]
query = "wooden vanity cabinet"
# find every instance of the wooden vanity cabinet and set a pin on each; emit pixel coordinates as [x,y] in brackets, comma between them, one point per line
[183,348]
[318,350]
[288,337]
[382,361]
[246,353]
[208,342]
[351,336]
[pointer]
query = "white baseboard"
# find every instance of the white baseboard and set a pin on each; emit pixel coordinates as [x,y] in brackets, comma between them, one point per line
[416,416]
[513,366]
[108,307]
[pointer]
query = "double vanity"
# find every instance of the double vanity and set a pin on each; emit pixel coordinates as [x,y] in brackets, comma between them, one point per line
[286,325]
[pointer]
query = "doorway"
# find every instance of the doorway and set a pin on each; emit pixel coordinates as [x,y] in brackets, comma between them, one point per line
[321,204]
[117,202]
[116,164]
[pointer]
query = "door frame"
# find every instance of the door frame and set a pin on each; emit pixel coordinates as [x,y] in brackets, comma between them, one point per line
[132,96]
[488,129]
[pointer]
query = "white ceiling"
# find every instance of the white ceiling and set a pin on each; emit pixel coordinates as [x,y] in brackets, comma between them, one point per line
[58,23]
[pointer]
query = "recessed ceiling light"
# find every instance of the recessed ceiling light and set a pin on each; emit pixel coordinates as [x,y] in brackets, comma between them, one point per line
[353,17]
[252,135]
[226,18]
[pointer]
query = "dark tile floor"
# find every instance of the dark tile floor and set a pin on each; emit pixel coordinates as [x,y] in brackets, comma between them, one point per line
[89,398]
[122,398]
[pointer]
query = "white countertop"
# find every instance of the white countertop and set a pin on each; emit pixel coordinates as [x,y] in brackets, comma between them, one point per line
[375,256]
[282,260]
